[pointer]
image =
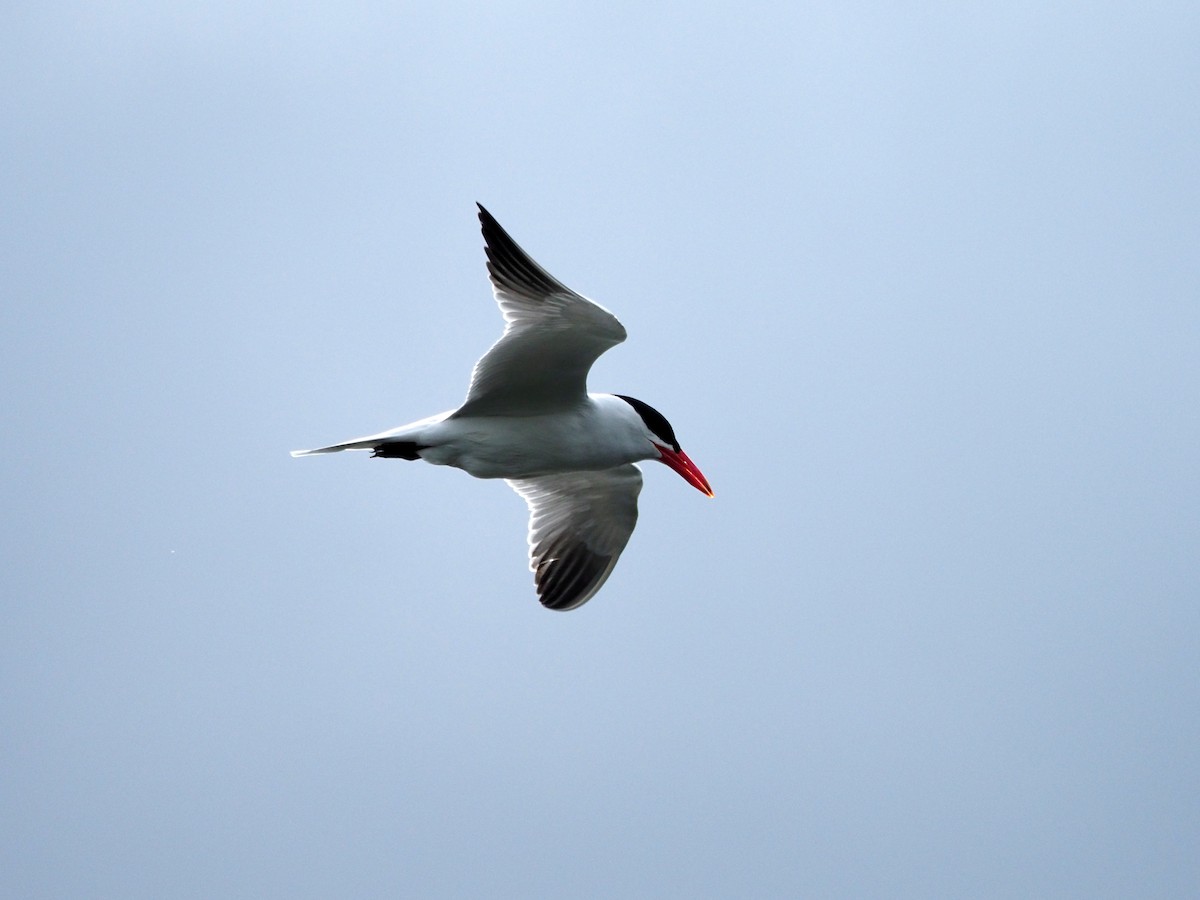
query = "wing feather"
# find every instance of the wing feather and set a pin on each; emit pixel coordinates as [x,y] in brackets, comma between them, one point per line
[579,522]
[552,335]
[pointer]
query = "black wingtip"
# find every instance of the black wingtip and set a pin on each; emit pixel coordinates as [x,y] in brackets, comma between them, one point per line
[568,582]
[509,265]
[493,233]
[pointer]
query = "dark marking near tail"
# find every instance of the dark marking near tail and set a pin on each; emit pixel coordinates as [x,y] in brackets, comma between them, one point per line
[400,450]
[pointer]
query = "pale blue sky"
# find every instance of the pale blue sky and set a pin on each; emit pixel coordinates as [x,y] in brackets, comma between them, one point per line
[917,286]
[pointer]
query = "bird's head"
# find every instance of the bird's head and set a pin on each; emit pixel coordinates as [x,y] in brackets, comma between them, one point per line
[660,433]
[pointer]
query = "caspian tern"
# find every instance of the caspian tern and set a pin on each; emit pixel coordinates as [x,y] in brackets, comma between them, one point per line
[529,419]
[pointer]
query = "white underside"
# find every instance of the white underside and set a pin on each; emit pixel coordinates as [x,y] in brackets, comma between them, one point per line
[601,433]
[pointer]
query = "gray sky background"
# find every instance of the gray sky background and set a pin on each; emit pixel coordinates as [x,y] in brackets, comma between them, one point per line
[916,285]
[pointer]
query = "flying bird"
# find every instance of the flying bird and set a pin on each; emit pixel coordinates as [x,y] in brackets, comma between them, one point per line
[529,419]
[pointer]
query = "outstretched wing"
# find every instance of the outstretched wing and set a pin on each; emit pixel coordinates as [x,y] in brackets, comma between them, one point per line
[579,522]
[552,335]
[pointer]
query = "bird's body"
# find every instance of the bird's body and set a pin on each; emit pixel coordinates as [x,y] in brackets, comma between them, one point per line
[600,432]
[528,418]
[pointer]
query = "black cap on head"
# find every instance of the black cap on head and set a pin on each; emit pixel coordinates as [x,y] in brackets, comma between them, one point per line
[655,421]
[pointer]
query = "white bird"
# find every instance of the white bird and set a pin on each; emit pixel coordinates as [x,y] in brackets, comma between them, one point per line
[528,418]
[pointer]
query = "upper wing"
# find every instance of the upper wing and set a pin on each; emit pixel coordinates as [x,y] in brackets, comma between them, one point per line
[579,522]
[552,335]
